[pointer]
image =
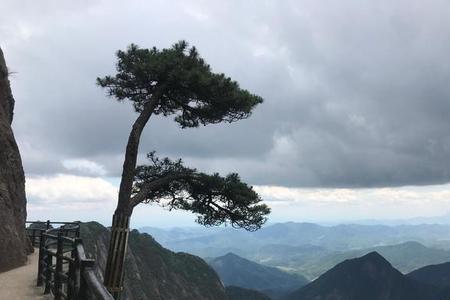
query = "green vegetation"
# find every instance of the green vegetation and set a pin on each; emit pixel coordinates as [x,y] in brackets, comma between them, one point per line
[177,81]
[153,272]
[370,277]
[405,257]
[310,249]
[238,293]
[436,275]
[237,271]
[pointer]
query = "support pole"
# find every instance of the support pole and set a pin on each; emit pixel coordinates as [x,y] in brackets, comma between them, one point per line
[59,266]
[41,262]
[116,255]
[47,271]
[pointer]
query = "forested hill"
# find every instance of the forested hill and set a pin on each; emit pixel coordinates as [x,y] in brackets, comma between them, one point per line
[238,293]
[240,272]
[436,275]
[370,277]
[153,272]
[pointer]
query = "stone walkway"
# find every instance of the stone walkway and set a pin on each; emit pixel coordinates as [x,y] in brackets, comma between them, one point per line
[20,283]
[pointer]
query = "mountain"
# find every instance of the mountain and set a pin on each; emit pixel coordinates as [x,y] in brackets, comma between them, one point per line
[238,293]
[168,235]
[440,219]
[285,255]
[370,277]
[405,257]
[237,271]
[343,237]
[436,275]
[153,272]
[12,184]
[311,249]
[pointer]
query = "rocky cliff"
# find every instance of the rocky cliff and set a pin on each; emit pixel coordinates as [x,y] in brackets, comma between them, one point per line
[153,272]
[12,183]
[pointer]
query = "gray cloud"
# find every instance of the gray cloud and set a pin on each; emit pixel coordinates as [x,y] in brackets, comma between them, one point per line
[356,92]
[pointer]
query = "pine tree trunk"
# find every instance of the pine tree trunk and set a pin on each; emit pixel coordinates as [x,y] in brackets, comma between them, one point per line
[121,219]
[116,254]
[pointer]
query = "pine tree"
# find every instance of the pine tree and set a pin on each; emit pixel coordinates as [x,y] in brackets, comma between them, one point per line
[176,81]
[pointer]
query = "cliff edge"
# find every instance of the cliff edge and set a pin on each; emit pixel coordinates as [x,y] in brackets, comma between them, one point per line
[153,272]
[13,241]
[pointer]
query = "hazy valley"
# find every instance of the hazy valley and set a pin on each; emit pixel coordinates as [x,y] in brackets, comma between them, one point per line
[282,258]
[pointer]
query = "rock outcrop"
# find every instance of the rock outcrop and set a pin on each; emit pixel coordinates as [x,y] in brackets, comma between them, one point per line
[13,241]
[153,272]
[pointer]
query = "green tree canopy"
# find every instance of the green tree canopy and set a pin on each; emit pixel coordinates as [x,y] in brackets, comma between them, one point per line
[184,83]
[176,81]
[216,199]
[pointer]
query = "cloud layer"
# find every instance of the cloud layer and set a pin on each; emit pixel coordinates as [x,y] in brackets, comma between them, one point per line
[356,92]
[69,197]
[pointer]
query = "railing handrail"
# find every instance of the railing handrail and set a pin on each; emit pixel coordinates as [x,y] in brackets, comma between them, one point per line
[81,275]
[97,287]
[52,222]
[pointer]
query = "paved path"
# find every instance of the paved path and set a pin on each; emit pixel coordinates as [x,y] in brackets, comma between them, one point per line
[20,283]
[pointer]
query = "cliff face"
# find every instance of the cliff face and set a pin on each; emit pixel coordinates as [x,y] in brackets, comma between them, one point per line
[153,272]
[13,242]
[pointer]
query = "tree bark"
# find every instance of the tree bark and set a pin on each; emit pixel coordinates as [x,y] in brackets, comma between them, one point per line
[121,219]
[129,164]
[141,196]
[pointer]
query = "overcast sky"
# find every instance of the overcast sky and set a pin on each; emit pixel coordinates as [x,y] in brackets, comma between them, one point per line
[355,122]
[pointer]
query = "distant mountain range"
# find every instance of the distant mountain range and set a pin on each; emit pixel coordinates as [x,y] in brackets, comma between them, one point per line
[310,249]
[153,272]
[370,277]
[237,271]
[405,257]
[442,219]
[167,235]
[338,238]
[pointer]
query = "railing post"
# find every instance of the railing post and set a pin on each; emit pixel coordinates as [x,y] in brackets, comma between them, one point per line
[80,280]
[77,271]
[84,288]
[72,275]
[59,265]
[48,272]
[41,260]
[33,237]
[77,232]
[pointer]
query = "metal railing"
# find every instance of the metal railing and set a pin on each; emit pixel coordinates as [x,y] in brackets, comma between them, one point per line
[64,270]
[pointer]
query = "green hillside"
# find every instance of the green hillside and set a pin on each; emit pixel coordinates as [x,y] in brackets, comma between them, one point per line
[237,271]
[370,277]
[153,272]
[238,293]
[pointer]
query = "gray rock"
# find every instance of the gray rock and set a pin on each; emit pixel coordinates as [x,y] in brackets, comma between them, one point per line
[14,244]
